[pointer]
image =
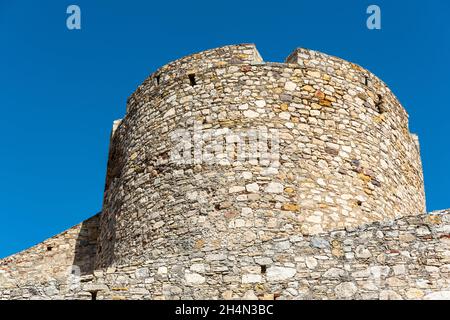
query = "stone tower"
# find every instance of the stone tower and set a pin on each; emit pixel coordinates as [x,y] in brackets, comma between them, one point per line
[233,178]
[340,154]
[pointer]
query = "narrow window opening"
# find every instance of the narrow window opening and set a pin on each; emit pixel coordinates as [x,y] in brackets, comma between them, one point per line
[192,79]
[158,79]
[49,248]
[234,154]
[93,295]
[359,203]
[366,80]
[263,269]
[380,105]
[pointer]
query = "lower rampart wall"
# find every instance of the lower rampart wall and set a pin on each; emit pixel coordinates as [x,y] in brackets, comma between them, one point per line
[408,258]
[72,251]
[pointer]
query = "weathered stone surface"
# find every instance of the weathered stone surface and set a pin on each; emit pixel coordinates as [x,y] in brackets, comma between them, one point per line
[250,295]
[311,262]
[274,187]
[345,290]
[441,295]
[280,273]
[252,187]
[251,278]
[362,252]
[194,278]
[319,243]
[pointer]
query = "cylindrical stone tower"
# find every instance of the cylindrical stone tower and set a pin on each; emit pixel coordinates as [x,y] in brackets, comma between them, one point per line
[332,150]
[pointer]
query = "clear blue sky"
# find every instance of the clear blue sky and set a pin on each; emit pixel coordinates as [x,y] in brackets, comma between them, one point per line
[60,90]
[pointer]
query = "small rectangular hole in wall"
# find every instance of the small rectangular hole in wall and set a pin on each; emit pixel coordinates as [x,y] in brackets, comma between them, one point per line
[93,295]
[379,104]
[192,79]
[263,269]
[49,248]
[366,80]
[158,79]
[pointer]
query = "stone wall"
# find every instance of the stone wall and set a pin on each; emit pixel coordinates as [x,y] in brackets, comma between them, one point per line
[345,156]
[408,258]
[53,259]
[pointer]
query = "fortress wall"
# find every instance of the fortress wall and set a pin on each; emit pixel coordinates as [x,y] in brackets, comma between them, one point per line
[346,156]
[407,258]
[53,259]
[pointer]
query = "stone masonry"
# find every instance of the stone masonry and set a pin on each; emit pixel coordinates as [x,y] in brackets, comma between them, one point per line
[332,208]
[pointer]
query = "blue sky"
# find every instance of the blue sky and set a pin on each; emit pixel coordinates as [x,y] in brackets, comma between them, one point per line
[60,90]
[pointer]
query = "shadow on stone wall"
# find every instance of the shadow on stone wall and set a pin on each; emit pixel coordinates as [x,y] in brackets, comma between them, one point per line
[86,245]
[112,203]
